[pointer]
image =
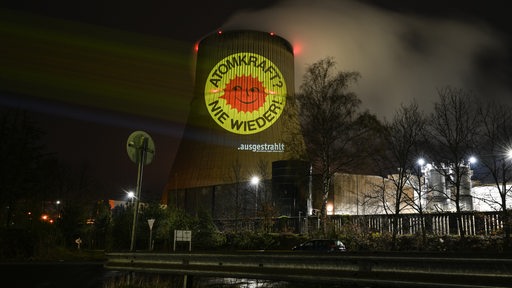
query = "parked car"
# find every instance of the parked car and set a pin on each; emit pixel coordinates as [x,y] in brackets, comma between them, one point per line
[321,245]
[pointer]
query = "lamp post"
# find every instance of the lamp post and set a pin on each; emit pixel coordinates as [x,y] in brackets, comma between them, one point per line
[465,193]
[255,181]
[420,162]
[57,204]
[471,160]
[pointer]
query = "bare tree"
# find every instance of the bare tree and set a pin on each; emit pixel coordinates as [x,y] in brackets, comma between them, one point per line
[265,208]
[330,122]
[405,134]
[235,208]
[26,166]
[494,153]
[263,174]
[451,132]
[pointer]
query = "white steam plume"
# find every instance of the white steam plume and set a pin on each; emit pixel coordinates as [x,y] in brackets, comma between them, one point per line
[400,57]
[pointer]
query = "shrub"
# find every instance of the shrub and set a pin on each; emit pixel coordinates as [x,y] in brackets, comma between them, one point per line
[16,244]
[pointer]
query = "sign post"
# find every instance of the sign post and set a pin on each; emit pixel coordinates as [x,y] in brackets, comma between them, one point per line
[141,149]
[184,236]
[150,223]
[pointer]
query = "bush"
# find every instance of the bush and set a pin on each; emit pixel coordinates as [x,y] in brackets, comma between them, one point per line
[16,244]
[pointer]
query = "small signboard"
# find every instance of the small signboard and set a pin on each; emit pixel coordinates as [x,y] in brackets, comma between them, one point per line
[183,236]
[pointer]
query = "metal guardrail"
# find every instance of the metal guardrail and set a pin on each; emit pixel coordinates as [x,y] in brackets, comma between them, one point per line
[374,270]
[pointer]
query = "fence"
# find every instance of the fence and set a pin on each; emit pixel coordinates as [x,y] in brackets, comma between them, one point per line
[473,223]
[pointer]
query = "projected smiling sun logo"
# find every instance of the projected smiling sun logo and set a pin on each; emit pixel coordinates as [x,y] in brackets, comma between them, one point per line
[245,93]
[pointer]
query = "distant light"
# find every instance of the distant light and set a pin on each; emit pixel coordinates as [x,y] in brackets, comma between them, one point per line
[421,161]
[219,32]
[297,49]
[272,33]
[509,154]
[46,218]
[329,208]
[255,180]
[130,194]
[472,159]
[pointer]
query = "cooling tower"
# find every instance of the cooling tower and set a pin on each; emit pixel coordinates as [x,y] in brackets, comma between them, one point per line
[239,118]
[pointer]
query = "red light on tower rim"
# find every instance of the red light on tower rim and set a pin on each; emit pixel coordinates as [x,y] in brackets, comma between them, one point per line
[297,49]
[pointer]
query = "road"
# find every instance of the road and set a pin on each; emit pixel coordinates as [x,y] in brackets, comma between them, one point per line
[53,274]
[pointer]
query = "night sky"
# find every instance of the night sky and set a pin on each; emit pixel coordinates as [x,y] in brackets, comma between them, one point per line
[93,72]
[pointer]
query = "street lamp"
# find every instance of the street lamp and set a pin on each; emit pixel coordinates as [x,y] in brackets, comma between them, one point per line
[255,181]
[421,163]
[57,204]
[130,195]
[471,160]
[330,209]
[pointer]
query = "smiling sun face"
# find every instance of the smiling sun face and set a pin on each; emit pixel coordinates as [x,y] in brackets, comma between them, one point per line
[245,94]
